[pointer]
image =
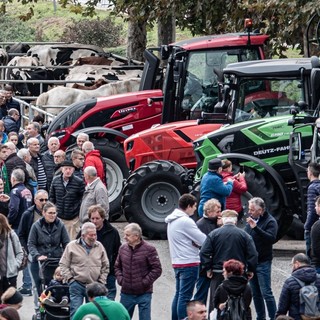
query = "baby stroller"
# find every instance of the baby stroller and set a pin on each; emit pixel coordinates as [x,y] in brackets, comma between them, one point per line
[49,309]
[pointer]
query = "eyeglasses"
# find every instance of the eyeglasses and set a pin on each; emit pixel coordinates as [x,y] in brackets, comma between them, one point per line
[42,200]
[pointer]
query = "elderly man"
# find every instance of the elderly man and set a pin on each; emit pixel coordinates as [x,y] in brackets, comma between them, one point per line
[20,198]
[13,160]
[137,267]
[48,160]
[95,193]
[11,121]
[81,139]
[34,131]
[36,162]
[263,228]
[31,215]
[66,192]
[216,249]
[83,261]
[93,158]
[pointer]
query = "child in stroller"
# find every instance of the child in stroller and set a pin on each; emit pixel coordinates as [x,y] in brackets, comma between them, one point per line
[58,296]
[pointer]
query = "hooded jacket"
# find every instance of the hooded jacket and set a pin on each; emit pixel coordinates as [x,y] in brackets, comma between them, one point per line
[184,238]
[93,158]
[289,297]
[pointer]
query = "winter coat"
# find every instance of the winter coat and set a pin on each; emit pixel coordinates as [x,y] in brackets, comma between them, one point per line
[289,297]
[95,193]
[79,265]
[217,249]
[26,222]
[13,161]
[312,193]
[14,254]
[20,200]
[315,244]
[137,268]
[110,239]
[212,187]
[93,158]
[236,286]
[206,225]
[47,239]
[50,167]
[67,199]
[11,125]
[264,236]
[233,201]
[184,238]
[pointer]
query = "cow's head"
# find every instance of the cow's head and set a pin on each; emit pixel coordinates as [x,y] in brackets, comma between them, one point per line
[21,88]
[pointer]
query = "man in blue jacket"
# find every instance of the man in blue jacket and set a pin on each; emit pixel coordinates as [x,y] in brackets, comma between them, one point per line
[213,187]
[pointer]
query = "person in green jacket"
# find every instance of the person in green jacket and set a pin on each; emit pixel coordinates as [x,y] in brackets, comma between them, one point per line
[97,294]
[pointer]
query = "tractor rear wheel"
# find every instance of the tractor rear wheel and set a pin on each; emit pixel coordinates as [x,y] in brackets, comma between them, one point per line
[117,172]
[151,193]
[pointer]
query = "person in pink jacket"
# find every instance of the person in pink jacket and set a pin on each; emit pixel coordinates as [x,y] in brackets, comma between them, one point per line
[239,187]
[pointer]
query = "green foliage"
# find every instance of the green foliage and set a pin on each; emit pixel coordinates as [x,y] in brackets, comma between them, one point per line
[103,33]
[15,30]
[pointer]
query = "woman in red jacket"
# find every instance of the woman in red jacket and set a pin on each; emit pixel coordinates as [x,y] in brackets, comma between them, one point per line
[239,187]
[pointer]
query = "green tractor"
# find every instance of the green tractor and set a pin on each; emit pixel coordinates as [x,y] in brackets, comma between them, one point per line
[275,98]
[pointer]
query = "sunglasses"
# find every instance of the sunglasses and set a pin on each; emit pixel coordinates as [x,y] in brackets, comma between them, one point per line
[42,200]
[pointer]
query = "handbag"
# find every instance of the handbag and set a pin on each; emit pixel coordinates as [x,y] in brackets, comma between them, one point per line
[105,317]
[24,262]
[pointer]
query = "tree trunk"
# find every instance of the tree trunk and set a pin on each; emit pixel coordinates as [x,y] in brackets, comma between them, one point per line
[167,30]
[137,39]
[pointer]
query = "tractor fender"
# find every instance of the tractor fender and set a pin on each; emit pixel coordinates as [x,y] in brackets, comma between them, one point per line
[271,171]
[90,130]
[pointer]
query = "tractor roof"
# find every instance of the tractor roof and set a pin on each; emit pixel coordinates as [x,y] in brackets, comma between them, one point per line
[222,40]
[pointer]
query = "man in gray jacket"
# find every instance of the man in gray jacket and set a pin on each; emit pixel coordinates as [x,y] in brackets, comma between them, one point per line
[95,193]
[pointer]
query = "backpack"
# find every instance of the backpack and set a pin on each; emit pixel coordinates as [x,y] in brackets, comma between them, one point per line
[235,308]
[309,300]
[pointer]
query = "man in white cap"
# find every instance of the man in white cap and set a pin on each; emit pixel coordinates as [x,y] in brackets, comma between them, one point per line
[213,187]
[225,243]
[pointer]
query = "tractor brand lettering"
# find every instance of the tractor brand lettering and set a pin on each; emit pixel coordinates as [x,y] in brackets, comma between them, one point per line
[271,150]
[128,110]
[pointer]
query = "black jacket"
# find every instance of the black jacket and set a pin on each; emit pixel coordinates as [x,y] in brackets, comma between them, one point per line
[67,199]
[315,244]
[26,224]
[110,239]
[50,167]
[289,297]
[13,161]
[228,242]
[264,236]
[206,225]
[49,240]
[10,125]
[236,286]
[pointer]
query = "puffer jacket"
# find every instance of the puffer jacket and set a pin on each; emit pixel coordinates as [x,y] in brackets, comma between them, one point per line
[79,265]
[48,240]
[67,198]
[312,194]
[137,268]
[233,201]
[289,297]
[50,167]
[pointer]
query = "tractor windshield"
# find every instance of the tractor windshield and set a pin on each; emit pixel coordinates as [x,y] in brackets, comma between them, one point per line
[201,82]
[266,98]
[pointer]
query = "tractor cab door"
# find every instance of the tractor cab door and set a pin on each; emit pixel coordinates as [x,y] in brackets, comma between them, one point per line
[312,36]
[299,158]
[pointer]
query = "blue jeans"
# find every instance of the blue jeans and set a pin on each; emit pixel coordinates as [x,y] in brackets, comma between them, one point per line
[261,291]
[185,281]
[77,292]
[143,301]
[202,286]
[26,279]
[33,268]
[111,286]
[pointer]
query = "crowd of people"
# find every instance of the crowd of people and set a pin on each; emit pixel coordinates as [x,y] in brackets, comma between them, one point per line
[54,207]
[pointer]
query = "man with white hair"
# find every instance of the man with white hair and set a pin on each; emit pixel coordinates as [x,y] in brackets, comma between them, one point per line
[217,249]
[95,193]
[93,158]
[48,160]
[84,261]
[34,131]
[81,139]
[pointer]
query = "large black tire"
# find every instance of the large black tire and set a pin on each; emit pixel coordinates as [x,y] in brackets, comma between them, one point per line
[151,193]
[260,186]
[117,172]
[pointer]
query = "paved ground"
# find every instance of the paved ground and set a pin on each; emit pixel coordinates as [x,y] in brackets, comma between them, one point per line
[164,287]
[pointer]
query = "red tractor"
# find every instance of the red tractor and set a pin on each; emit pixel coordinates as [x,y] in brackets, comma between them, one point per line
[188,75]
